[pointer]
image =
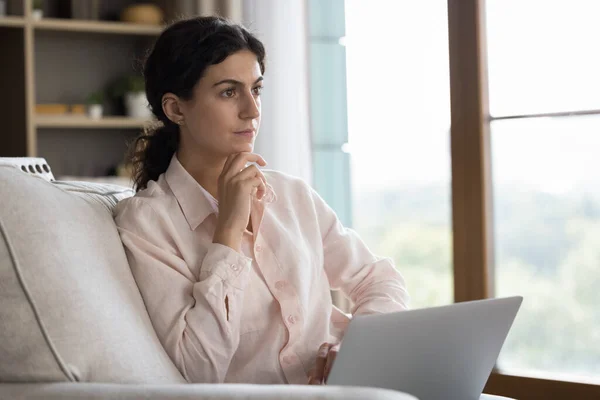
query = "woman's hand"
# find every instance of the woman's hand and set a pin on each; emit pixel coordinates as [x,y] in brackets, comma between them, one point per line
[325,357]
[237,184]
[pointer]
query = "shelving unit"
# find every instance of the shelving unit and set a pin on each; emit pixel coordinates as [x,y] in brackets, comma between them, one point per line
[110,27]
[12,21]
[62,60]
[50,121]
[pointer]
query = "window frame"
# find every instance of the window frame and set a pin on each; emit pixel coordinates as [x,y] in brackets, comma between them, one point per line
[472,208]
[472,185]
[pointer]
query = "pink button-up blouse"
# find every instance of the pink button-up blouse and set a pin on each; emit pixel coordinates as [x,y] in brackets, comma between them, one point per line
[257,316]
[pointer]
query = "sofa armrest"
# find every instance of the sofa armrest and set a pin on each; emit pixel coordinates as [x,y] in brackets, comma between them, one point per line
[102,391]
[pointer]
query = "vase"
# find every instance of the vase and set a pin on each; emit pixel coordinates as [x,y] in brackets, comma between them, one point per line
[136,105]
[95,111]
[37,14]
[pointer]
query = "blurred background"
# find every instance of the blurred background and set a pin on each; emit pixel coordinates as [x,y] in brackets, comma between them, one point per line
[357,102]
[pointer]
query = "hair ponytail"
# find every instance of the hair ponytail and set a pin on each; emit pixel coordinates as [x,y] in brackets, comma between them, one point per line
[151,153]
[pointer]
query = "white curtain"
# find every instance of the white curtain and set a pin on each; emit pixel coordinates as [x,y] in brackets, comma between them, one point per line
[284,137]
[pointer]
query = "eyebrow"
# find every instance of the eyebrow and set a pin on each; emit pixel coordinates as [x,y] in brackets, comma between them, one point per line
[234,82]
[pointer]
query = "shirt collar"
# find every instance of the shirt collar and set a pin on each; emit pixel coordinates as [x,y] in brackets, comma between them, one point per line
[196,202]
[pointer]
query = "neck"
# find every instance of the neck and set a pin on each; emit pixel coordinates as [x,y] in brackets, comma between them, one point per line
[204,168]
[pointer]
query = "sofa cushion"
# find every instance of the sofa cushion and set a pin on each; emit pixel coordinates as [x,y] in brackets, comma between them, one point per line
[25,354]
[106,195]
[69,306]
[226,391]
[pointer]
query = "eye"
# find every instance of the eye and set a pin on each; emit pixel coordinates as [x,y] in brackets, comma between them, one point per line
[228,93]
[257,90]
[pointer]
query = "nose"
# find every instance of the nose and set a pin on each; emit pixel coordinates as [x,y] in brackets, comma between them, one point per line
[251,107]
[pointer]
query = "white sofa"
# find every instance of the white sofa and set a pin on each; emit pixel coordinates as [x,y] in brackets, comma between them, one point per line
[72,321]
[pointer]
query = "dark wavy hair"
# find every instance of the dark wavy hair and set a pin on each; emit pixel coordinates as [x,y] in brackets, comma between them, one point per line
[176,62]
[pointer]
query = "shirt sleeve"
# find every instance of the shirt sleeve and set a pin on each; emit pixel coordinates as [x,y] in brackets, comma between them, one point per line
[372,283]
[197,319]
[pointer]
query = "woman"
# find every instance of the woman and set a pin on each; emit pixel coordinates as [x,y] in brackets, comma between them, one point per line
[235,264]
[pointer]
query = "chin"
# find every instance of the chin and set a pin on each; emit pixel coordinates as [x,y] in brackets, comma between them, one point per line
[246,147]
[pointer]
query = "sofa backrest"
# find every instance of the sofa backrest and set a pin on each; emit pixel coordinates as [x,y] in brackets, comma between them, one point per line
[69,307]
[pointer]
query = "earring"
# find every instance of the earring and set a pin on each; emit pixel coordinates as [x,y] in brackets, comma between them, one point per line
[180,122]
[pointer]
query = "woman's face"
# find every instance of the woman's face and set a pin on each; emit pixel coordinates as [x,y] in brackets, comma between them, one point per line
[223,115]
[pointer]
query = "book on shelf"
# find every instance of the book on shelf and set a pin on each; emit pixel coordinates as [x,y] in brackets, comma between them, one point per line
[85,9]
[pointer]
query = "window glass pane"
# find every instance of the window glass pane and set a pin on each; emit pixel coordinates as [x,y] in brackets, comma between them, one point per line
[329,121]
[328,93]
[326,18]
[542,55]
[546,175]
[332,181]
[398,126]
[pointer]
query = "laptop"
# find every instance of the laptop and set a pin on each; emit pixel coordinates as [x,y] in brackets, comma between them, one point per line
[439,353]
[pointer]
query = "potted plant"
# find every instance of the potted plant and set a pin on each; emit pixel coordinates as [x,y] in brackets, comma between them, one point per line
[38,10]
[132,89]
[95,105]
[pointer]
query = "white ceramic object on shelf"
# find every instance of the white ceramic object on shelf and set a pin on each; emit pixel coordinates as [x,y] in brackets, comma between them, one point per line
[37,14]
[95,111]
[136,105]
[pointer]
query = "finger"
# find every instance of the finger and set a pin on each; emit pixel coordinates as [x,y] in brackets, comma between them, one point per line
[333,351]
[226,166]
[251,185]
[249,172]
[229,160]
[226,172]
[320,363]
[310,376]
[313,381]
[240,161]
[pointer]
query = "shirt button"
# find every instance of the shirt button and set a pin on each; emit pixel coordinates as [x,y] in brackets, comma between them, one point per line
[234,267]
[258,248]
[279,285]
[291,319]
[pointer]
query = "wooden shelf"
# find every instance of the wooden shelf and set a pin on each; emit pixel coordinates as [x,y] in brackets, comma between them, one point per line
[76,121]
[71,25]
[12,21]
[63,60]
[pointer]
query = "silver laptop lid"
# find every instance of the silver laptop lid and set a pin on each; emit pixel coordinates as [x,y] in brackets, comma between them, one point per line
[434,353]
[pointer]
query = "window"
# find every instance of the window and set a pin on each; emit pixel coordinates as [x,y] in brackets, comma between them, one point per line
[547,236]
[383,161]
[546,181]
[542,56]
[329,127]
[525,172]
[398,125]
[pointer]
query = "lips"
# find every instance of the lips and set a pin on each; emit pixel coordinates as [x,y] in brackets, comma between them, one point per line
[247,133]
